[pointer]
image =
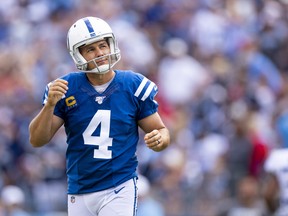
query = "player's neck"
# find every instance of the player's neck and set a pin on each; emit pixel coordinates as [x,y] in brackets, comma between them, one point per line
[100,79]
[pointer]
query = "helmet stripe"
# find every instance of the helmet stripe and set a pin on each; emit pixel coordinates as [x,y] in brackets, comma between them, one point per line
[89,27]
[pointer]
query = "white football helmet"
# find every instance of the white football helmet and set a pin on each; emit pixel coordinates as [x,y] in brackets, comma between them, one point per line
[89,30]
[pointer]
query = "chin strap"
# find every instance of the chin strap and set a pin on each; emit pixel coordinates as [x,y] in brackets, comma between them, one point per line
[102,69]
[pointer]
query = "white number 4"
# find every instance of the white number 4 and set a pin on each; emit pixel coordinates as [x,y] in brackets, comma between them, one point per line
[102,118]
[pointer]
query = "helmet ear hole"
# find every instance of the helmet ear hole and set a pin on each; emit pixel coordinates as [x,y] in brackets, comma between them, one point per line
[107,41]
[112,47]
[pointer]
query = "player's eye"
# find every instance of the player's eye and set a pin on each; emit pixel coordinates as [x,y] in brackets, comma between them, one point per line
[90,49]
[103,45]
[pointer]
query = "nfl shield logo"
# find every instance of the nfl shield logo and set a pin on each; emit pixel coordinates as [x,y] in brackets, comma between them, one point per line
[73,199]
[99,99]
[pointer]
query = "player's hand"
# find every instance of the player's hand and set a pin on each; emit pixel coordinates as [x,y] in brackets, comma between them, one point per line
[57,89]
[154,140]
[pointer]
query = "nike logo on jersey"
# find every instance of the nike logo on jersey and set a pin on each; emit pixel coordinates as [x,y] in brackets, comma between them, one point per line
[117,191]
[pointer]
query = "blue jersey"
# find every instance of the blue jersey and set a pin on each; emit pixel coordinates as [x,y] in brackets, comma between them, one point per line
[102,130]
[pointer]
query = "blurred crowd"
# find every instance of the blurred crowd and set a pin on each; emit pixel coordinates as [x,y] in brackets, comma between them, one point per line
[222,72]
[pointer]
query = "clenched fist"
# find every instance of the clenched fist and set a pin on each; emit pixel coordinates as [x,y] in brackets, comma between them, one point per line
[57,89]
[153,140]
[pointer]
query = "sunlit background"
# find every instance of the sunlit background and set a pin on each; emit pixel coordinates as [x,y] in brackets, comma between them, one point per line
[221,69]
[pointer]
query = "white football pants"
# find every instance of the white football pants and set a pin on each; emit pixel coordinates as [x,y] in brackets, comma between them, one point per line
[118,201]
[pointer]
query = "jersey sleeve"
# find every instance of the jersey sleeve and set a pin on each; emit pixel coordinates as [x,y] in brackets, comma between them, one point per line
[144,92]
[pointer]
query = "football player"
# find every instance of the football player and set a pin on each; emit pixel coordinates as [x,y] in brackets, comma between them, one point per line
[101,110]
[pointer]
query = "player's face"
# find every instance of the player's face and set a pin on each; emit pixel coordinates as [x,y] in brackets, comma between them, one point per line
[96,50]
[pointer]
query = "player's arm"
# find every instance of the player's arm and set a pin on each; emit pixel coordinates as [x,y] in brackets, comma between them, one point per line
[44,126]
[157,136]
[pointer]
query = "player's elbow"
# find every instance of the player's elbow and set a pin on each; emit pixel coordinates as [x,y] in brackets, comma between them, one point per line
[37,138]
[36,142]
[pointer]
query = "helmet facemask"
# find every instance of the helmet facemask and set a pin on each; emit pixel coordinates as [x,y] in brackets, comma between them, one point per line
[113,57]
[101,69]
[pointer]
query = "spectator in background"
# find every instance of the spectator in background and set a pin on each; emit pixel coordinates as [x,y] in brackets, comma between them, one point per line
[147,204]
[181,77]
[260,67]
[13,200]
[238,156]
[275,187]
[247,201]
